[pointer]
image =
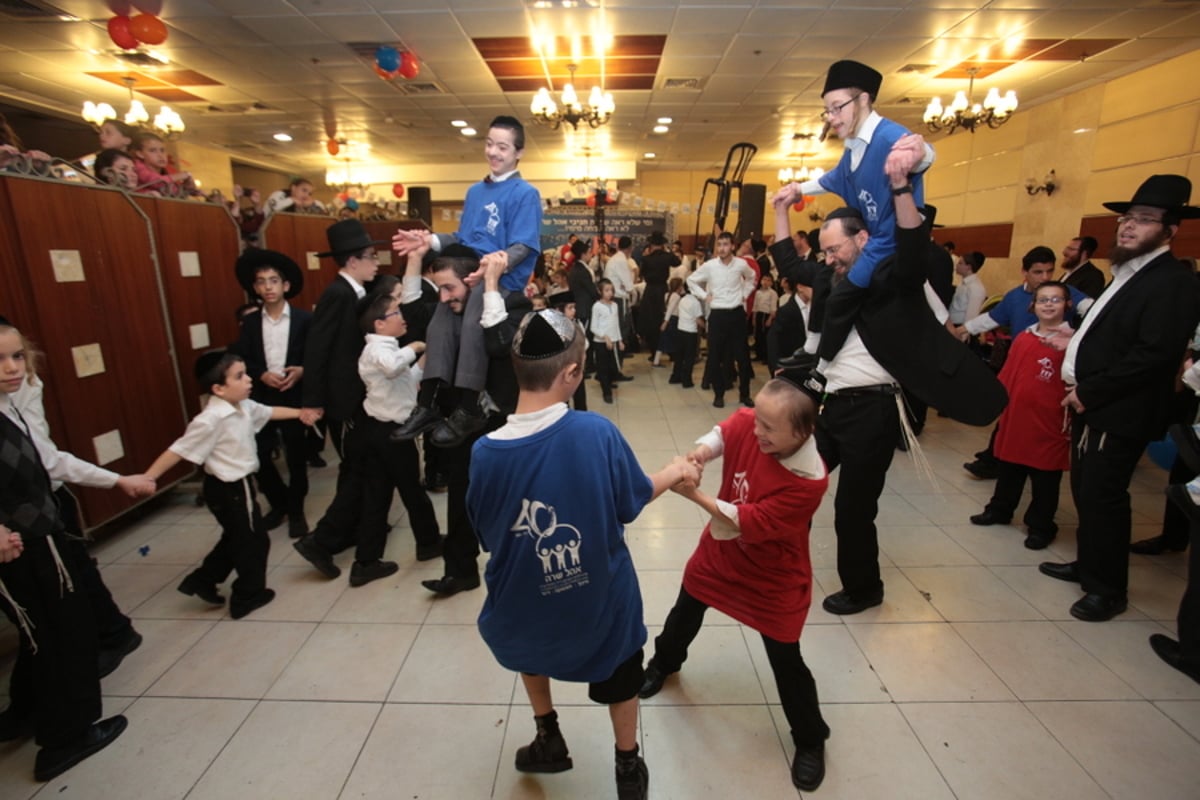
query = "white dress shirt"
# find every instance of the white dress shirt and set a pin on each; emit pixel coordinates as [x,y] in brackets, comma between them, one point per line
[728,283]
[24,408]
[221,437]
[617,270]
[606,321]
[359,291]
[1121,273]
[968,299]
[275,334]
[392,377]
[690,310]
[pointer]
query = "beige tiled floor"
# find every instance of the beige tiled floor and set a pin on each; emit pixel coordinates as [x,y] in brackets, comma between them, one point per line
[971,681]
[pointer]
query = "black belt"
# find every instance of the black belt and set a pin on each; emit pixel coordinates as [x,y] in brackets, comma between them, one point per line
[859,391]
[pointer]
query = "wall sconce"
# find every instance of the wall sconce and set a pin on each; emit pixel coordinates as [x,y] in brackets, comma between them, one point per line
[1048,185]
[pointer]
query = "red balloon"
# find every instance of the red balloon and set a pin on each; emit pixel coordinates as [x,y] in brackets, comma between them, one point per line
[398,190]
[383,73]
[610,198]
[148,29]
[591,201]
[409,67]
[332,147]
[343,196]
[118,31]
[800,204]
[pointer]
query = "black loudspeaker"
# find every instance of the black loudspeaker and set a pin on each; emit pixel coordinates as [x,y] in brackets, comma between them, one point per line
[420,204]
[752,200]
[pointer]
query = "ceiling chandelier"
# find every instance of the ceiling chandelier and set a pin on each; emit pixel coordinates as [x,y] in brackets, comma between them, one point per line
[166,123]
[598,110]
[788,175]
[995,110]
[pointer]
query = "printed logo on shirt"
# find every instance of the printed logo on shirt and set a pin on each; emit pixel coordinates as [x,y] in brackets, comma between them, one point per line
[1046,372]
[556,545]
[493,217]
[870,209]
[741,488]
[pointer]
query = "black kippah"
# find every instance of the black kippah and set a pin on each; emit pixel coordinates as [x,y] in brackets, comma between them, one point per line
[543,334]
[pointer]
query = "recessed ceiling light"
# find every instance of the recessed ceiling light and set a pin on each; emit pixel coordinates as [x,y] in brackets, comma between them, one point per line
[1081,130]
[661,129]
[665,120]
[458,123]
[468,131]
[282,137]
[648,155]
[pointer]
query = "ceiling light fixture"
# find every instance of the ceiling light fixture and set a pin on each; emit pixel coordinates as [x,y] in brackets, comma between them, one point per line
[994,111]
[166,124]
[598,110]
[282,137]
[468,131]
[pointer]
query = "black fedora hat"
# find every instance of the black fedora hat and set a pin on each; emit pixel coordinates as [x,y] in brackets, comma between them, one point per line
[253,259]
[348,237]
[1168,192]
[852,75]
[657,238]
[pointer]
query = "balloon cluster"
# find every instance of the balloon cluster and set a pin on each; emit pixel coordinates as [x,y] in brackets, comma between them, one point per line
[129,32]
[800,204]
[390,62]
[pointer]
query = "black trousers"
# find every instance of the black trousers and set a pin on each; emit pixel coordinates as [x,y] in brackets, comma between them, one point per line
[460,551]
[287,497]
[58,687]
[1189,607]
[726,348]
[1043,486]
[338,527]
[112,626]
[684,360]
[859,434]
[391,467]
[608,365]
[760,335]
[797,689]
[243,545]
[1101,466]
[1175,527]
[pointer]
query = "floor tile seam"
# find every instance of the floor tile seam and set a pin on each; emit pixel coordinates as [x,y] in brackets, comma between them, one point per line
[129,612]
[221,750]
[361,747]
[1083,645]
[1193,736]
[928,753]
[408,652]
[1070,753]
[1040,615]
[179,659]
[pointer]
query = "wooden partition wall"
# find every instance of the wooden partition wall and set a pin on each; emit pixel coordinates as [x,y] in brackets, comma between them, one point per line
[79,278]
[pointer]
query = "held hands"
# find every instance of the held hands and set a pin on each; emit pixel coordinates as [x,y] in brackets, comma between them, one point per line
[1073,402]
[137,485]
[786,195]
[11,545]
[417,347]
[689,474]
[491,267]
[406,242]
[309,416]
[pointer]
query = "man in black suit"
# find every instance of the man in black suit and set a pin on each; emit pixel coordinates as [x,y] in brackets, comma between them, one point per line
[333,389]
[272,343]
[1121,368]
[895,340]
[1080,271]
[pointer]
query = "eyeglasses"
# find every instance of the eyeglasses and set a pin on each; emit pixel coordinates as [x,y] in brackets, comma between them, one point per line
[835,249]
[1052,300]
[833,112]
[391,314]
[1139,219]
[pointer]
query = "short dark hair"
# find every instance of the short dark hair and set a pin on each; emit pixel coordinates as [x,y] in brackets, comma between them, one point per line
[725,235]
[852,223]
[579,247]
[1038,255]
[974,260]
[758,244]
[538,374]
[513,124]
[217,374]
[462,260]
[106,159]
[1088,244]
[124,128]
[625,242]
[375,307]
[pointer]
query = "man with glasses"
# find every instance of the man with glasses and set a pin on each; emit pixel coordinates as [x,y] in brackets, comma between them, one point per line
[334,391]
[1120,369]
[849,94]
[896,339]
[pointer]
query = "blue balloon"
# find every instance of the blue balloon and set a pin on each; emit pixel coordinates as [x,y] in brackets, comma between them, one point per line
[352,205]
[388,58]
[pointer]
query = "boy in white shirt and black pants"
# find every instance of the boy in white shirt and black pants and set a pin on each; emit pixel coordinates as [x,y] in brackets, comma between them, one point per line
[392,377]
[691,322]
[606,331]
[221,438]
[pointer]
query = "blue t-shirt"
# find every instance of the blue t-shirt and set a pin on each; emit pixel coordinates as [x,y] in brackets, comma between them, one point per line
[1013,311]
[498,214]
[563,597]
[868,191]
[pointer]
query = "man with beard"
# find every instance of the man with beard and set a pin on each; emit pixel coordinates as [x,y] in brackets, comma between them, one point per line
[1079,271]
[1120,369]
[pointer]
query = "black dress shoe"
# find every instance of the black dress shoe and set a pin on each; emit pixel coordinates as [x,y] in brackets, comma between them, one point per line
[194,587]
[1156,546]
[313,554]
[981,470]
[428,552]
[14,726]
[54,761]
[361,574]
[1064,572]
[111,657]
[747,401]
[297,526]
[1167,649]
[989,518]
[1187,444]
[420,420]
[1181,497]
[435,483]
[1094,607]
[653,681]
[799,359]
[674,379]
[239,609]
[1038,541]
[845,603]
[622,378]
[459,427]
[450,585]
[273,519]
[718,402]
[808,767]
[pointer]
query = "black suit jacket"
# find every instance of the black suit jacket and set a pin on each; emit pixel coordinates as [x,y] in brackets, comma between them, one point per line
[786,334]
[501,379]
[808,271]
[900,331]
[583,286]
[331,354]
[941,273]
[1087,278]
[1128,357]
[250,347]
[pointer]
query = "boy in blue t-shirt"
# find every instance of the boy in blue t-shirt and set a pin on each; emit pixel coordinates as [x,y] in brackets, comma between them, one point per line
[563,599]
[501,220]
[859,179]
